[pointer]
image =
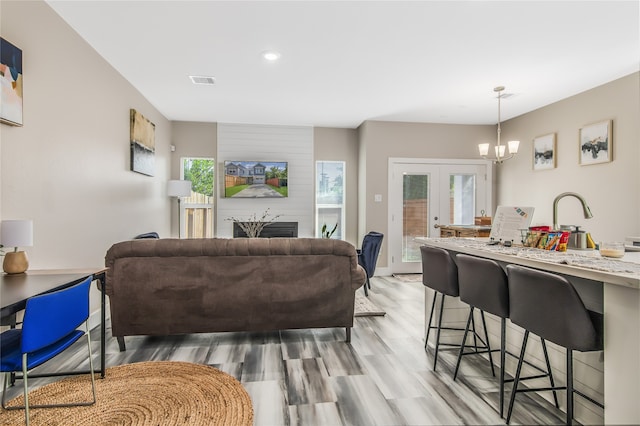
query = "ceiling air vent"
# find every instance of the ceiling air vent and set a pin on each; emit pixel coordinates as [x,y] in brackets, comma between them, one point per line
[199,79]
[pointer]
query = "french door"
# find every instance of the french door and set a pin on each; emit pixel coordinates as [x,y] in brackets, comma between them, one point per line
[424,195]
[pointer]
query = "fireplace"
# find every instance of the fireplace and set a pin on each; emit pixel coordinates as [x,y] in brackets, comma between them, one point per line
[272,230]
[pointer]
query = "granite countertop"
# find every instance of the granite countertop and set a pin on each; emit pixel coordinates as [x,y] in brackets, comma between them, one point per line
[625,271]
[478,227]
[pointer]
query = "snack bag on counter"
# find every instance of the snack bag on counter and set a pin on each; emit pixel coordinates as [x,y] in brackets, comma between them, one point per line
[532,239]
[564,240]
[552,241]
[542,242]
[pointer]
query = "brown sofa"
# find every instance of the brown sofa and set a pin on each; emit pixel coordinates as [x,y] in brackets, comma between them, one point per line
[171,286]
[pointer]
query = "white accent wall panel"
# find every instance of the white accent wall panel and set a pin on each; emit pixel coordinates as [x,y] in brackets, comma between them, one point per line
[251,142]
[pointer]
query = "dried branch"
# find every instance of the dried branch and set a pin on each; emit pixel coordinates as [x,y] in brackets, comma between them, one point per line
[254,225]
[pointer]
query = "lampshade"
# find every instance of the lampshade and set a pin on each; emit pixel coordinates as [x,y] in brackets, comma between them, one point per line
[179,188]
[513,146]
[16,233]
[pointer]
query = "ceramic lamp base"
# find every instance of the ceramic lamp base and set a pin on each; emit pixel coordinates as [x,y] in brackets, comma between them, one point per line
[15,262]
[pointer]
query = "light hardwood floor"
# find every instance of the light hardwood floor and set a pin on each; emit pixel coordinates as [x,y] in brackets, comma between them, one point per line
[312,377]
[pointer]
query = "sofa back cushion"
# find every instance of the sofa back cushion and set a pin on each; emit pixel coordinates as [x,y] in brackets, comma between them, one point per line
[185,286]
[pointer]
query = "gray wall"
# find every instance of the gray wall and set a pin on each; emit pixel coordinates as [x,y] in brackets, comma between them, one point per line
[381,140]
[67,168]
[611,189]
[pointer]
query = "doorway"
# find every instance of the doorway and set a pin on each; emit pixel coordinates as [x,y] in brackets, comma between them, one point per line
[426,194]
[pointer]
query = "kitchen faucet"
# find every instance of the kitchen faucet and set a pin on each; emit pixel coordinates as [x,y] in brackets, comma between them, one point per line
[585,207]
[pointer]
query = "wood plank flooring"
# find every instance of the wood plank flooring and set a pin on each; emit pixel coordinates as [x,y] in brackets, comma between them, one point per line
[312,377]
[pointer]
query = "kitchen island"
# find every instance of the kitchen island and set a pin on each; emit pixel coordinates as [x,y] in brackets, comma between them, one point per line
[611,287]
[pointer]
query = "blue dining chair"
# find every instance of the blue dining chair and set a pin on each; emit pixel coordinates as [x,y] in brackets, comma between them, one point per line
[50,326]
[368,255]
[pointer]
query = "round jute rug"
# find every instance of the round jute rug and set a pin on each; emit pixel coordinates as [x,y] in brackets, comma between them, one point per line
[145,393]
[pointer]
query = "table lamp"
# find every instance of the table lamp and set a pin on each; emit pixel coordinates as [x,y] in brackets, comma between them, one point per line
[16,233]
[179,189]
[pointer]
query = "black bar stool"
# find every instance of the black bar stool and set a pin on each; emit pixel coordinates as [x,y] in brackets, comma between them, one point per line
[439,273]
[483,284]
[549,306]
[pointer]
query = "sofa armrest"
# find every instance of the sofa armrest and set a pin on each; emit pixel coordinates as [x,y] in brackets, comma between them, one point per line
[358,277]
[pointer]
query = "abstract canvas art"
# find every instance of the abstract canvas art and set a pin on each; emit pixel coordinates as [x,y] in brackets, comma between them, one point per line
[595,143]
[11,81]
[143,144]
[544,152]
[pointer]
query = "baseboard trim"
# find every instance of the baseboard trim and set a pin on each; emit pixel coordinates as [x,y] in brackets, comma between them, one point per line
[382,272]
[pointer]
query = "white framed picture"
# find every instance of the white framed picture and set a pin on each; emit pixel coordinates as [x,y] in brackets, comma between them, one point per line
[595,143]
[544,152]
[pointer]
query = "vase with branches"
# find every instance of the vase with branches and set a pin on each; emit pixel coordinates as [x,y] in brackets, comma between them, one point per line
[254,225]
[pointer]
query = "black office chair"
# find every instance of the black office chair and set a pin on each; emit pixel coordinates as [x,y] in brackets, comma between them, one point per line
[439,273]
[147,236]
[368,255]
[548,305]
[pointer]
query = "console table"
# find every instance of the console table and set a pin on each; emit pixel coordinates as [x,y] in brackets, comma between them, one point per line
[613,290]
[16,289]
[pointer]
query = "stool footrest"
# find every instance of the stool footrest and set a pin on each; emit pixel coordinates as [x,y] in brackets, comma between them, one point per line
[588,398]
[447,328]
[528,363]
[550,388]
[539,376]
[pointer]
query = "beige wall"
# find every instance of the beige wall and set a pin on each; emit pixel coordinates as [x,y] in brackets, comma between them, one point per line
[190,139]
[612,190]
[331,144]
[67,168]
[381,140]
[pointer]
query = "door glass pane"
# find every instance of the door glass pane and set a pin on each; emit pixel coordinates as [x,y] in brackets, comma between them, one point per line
[197,209]
[330,197]
[198,222]
[330,216]
[462,199]
[415,218]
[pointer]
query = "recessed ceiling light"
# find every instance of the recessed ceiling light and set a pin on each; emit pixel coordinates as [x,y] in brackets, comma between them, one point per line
[271,55]
[200,79]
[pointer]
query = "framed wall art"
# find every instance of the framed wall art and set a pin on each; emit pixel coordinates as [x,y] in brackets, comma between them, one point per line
[544,152]
[595,143]
[143,143]
[11,83]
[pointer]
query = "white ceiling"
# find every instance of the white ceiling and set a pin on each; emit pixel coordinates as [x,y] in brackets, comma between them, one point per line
[344,62]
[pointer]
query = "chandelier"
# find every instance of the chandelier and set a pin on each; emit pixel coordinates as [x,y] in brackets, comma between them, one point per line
[499,148]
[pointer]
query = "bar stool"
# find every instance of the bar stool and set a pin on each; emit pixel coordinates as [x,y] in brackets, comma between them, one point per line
[439,273]
[549,306]
[483,285]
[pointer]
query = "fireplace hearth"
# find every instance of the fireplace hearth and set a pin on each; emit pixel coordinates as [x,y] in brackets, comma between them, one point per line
[272,230]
